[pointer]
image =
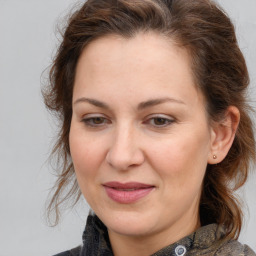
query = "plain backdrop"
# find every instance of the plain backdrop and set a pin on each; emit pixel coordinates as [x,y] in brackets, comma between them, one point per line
[27,44]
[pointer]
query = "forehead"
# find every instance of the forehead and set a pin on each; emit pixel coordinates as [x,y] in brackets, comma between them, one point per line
[148,50]
[144,46]
[147,62]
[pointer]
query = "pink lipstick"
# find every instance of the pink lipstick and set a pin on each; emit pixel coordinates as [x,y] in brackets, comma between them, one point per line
[126,193]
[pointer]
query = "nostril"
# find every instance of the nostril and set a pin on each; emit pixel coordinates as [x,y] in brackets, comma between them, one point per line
[123,160]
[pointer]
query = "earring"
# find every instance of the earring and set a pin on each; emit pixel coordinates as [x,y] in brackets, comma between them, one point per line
[214,157]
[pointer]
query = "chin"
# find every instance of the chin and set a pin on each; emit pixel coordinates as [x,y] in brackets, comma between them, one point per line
[132,230]
[128,223]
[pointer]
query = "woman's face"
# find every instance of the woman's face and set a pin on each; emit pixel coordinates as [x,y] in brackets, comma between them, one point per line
[139,139]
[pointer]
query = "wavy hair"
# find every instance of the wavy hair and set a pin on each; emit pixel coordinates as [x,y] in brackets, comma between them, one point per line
[219,69]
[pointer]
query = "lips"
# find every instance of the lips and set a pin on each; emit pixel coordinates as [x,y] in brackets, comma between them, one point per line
[127,193]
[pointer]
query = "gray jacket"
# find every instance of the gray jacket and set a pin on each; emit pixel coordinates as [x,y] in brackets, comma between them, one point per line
[206,241]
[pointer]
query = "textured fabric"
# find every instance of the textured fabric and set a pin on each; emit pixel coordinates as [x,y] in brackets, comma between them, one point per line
[74,252]
[205,241]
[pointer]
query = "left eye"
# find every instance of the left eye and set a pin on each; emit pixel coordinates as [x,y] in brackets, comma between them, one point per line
[94,121]
[160,121]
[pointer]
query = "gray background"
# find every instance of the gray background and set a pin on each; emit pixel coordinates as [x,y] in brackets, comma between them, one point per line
[27,44]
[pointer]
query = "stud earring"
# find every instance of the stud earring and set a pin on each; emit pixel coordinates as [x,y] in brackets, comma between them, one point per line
[214,157]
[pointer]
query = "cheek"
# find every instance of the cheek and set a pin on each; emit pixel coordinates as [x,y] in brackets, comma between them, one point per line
[182,158]
[86,157]
[181,167]
[85,154]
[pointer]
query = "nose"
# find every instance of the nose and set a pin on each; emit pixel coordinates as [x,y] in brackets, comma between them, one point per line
[124,151]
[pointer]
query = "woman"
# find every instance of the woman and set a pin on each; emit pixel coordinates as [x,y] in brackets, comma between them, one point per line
[155,131]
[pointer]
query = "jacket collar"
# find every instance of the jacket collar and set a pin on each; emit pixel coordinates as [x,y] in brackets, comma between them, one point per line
[96,241]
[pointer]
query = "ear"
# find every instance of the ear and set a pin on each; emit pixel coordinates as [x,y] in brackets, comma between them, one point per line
[222,135]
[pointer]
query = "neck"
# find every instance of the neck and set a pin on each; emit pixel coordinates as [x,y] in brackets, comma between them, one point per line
[123,245]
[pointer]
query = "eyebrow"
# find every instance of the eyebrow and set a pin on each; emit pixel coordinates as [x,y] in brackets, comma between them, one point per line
[141,106]
[94,102]
[153,102]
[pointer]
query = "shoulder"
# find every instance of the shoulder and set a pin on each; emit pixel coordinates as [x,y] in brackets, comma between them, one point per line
[210,240]
[233,247]
[73,252]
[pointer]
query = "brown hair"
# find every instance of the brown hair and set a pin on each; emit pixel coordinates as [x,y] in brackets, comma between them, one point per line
[220,72]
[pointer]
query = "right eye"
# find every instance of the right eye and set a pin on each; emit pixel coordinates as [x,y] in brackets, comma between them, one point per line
[95,121]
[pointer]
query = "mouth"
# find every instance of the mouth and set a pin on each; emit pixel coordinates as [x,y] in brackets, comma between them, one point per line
[127,193]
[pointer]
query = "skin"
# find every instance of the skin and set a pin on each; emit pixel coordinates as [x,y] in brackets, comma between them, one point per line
[119,134]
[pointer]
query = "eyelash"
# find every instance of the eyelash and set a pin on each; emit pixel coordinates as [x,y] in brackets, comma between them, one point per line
[90,121]
[166,121]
